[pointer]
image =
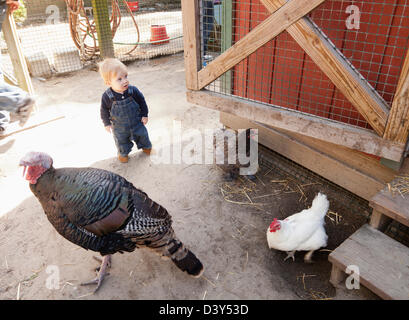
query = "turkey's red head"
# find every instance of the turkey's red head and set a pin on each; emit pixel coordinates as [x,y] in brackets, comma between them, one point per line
[275,225]
[35,164]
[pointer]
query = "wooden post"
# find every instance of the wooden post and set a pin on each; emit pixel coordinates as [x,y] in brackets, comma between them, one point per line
[379,221]
[16,54]
[337,276]
[104,32]
[227,34]
[191,30]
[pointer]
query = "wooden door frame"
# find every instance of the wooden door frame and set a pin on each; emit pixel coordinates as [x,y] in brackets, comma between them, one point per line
[391,128]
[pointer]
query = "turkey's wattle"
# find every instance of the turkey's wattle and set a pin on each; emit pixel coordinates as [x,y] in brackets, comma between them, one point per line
[32,173]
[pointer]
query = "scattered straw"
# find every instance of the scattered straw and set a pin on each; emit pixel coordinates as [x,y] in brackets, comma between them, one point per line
[268,195]
[337,219]
[303,278]
[212,283]
[18,291]
[400,185]
[7,265]
[268,171]
[247,260]
[260,180]
[32,277]
[244,203]
[319,295]
[85,295]
[247,196]
[311,184]
[204,296]
[66,282]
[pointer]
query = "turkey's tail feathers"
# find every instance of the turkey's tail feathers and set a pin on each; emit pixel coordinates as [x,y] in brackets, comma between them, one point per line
[168,245]
[320,205]
[185,259]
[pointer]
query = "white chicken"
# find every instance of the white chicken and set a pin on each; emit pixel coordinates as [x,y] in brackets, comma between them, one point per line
[302,231]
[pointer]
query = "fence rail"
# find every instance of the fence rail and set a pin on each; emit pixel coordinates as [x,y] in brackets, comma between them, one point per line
[59,36]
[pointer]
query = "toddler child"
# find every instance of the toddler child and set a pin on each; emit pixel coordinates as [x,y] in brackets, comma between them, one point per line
[123,110]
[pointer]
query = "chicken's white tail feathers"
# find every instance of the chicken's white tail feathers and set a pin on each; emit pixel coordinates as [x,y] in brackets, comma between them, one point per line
[320,205]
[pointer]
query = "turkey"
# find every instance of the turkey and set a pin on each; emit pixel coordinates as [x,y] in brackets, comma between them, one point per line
[302,231]
[101,211]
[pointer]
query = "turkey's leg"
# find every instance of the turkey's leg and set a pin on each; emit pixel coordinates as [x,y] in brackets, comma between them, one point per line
[102,273]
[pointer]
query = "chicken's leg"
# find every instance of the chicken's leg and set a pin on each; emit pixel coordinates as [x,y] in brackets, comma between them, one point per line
[307,257]
[102,273]
[290,254]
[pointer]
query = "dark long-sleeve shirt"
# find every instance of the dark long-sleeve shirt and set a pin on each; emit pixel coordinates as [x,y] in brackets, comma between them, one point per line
[106,103]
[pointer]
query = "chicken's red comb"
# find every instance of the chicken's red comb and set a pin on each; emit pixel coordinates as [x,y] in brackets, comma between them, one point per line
[274,224]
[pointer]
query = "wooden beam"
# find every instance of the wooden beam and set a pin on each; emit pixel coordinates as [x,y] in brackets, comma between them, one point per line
[312,126]
[264,32]
[335,66]
[347,168]
[190,18]
[16,55]
[397,128]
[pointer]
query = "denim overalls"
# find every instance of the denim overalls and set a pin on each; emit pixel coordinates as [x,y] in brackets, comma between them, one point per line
[127,125]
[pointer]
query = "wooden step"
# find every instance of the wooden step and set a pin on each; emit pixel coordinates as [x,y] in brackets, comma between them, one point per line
[389,205]
[383,263]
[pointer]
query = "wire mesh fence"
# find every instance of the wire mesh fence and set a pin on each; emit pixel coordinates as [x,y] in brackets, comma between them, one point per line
[371,35]
[59,36]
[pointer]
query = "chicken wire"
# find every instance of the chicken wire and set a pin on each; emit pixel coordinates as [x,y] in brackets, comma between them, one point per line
[59,36]
[372,36]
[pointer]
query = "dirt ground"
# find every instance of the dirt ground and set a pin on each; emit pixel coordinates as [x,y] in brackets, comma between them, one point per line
[224,223]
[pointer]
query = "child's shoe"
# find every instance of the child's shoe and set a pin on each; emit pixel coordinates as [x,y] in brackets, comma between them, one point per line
[123,159]
[147,151]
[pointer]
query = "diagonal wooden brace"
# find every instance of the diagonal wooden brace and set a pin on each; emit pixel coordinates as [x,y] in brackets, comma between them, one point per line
[335,66]
[260,35]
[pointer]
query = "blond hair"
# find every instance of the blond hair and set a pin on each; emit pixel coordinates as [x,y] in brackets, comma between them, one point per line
[110,67]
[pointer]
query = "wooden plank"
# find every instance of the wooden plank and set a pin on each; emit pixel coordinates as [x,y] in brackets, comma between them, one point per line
[327,130]
[397,128]
[264,32]
[190,20]
[339,166]
[333,63]
[382,262]
[394,205]
[16,54]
